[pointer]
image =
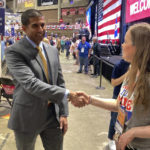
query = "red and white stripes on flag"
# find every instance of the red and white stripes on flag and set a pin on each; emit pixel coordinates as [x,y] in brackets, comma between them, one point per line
[108,12]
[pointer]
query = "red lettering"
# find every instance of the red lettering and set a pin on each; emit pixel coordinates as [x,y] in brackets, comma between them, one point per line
[124,101]
[128,106]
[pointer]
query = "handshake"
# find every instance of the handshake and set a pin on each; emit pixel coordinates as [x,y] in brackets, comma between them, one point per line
[79,99]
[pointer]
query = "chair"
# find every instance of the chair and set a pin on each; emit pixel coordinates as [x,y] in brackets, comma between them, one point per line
[6,89]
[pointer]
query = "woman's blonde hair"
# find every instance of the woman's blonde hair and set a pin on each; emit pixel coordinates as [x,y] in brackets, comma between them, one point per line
[140,36]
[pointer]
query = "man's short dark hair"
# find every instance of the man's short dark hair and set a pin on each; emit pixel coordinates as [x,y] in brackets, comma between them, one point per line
[29,14]
[83,36]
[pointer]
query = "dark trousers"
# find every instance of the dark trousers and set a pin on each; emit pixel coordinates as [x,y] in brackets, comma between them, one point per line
[67,53]
[96,66]
[111,131]
[62,48]
[83,62]
[74,55]
[50,133]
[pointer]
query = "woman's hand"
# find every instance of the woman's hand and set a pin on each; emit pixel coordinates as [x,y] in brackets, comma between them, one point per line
[125,139]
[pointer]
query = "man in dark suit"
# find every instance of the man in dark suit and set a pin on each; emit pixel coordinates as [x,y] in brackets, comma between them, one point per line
[97,53]
[40,104]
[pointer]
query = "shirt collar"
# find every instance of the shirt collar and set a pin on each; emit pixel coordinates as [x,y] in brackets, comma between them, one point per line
[33,44]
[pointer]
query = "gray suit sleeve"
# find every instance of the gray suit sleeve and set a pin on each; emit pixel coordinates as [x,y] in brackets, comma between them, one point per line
[23,74]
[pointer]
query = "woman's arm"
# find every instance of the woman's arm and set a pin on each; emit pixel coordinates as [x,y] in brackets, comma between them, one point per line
[141,132]
[136,132]
[109,104]
[118,81]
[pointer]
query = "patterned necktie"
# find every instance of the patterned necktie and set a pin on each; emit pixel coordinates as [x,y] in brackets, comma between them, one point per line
[44,62]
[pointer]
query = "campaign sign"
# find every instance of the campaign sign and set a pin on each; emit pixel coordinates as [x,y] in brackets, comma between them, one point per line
[137,9]
[2,21]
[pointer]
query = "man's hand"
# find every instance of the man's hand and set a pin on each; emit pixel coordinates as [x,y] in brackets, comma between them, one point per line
[63,124]
[84,96]
[79,99]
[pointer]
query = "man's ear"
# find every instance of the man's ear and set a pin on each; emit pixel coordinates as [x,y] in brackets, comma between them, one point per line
[24,28]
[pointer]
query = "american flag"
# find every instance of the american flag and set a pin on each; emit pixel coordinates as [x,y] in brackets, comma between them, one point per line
[108,12]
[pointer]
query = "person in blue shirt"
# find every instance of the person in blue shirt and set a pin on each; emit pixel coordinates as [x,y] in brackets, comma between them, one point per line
[83,54]
[118,75]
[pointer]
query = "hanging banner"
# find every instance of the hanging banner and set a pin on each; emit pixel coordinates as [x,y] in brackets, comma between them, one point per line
[137,9]
[72,11]
[64,12]
[81,11]
[57,27]
[62,26]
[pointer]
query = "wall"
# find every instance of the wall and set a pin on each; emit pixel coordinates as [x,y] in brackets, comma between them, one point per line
[50,15]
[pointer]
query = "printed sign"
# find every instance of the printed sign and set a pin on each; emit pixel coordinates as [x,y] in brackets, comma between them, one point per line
[64,12]
[72,11]
[137,9]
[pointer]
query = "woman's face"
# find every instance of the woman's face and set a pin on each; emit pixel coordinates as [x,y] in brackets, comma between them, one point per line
[128,49]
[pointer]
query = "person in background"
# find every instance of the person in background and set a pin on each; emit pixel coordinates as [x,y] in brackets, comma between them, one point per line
[67,47]
[54,41]
[73,48]
[62,44]
[50,38]
[9,41]
[97,53]
[119,73]
[83,54]
[17,38]
[76,51]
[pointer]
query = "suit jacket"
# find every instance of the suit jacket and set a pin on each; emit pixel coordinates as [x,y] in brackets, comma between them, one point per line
[32,92]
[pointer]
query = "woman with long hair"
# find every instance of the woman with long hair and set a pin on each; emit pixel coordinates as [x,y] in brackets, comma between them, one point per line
[133,103]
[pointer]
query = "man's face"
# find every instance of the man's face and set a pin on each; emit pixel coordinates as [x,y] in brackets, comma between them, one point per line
[83,39]
[94,40]
[35,30]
